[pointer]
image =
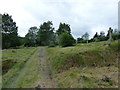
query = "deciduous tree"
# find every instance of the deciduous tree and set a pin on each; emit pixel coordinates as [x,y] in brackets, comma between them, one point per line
[45,33]
[63,28]
[86,37]
[31,37]
[66,40]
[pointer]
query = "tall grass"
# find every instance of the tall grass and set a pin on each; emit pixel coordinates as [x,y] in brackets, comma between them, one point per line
[17,59]
[83,65]
[82,55]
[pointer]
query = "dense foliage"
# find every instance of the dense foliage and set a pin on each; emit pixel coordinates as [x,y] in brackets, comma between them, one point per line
[99,37]
[9,32]
[46,35]
[66,40]
[31,37]
[63,28]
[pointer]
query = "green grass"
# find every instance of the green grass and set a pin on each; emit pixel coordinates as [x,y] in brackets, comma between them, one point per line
[86,77]
[84,57]
[92,54]
[68,64]
[22,73]
[17,57]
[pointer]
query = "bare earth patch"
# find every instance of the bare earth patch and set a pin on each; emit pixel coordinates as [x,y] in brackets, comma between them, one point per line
[45,80]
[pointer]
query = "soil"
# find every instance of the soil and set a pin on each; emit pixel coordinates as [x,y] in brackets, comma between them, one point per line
[46,80]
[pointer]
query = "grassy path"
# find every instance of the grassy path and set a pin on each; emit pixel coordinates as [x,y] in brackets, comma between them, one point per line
[30,72]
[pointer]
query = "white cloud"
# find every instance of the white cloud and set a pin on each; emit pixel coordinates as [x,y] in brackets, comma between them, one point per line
[83,15]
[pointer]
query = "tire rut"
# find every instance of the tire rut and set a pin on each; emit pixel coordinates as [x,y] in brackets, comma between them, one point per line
[46,80]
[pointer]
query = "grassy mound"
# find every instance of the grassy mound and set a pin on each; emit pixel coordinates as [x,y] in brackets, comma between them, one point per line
[84,65]
[83,55]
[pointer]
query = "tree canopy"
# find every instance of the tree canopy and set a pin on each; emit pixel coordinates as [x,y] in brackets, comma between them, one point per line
[45,33]
[31,37]
[66,40]
[9,32]
[63,28]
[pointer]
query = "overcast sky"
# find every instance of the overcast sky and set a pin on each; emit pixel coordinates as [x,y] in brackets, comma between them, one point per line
[82,15]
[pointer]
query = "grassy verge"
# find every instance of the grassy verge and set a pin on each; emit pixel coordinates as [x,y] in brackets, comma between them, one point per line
[18,65]
[88,77]
[97,54]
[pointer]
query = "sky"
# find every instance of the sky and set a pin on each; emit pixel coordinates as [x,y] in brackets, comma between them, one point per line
[82,15]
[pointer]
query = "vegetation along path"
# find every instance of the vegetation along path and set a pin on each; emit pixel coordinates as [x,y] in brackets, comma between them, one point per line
[92,65]
[30,69]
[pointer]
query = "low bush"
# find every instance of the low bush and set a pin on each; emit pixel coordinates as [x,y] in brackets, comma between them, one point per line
[66,39]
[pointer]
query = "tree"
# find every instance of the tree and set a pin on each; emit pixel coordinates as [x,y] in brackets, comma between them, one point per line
[101,37]
[45,33]
[63,28]
[66,40]
[81,40]
[31,37]
[108,31]
[22,40]
[102,33]
[9,32]
[8,25]
[116,34]
[115,31]
[96,35]
[86,37]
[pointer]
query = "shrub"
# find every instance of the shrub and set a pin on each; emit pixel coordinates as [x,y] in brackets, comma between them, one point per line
[116,36]
[66,39]
[81,40]
[51,44]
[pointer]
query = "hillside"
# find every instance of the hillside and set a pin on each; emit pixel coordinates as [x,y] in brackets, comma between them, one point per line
[81,66]
[20,67]
[85,65]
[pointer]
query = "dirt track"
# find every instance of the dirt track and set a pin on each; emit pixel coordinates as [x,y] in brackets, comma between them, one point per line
[46,80]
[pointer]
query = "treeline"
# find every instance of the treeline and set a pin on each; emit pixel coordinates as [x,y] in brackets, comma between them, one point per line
[99,37]
[45,35]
